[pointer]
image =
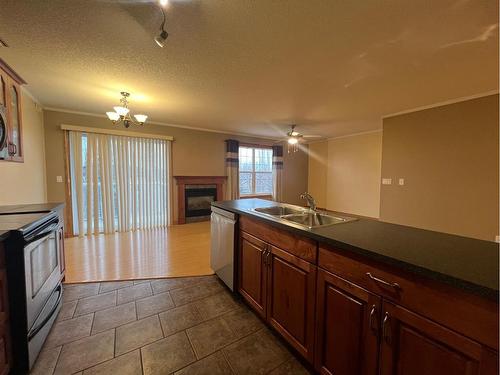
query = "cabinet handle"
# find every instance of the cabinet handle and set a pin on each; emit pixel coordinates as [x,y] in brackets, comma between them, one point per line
[265,255]
[373,320]
[386,328]
[383,282]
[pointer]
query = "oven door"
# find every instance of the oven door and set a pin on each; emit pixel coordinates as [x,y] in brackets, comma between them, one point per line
[42,272]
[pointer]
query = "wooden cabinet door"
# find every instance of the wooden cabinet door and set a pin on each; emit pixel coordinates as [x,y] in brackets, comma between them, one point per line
[291,299]
[347,327]
[4,133]
[414,345]
[252,275]
[14,144]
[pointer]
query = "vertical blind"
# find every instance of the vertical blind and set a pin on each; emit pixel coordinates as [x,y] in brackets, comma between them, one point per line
[118,183]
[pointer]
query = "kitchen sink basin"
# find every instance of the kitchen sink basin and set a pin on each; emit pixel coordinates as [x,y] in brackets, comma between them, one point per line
[314,220]
[301,216]
[279,210]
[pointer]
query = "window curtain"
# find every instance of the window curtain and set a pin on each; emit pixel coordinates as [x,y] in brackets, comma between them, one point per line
[119,183]
[232,169]
[277,173]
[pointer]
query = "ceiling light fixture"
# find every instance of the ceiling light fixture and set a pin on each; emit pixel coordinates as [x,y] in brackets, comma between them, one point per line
[293,140]
[162,36]
[122,113]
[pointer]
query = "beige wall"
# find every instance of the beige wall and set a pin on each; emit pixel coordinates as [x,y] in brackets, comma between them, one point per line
[318,170]
[344,173]
[194,153]
[448,157]
[25,182]
[295,175]
[353,179]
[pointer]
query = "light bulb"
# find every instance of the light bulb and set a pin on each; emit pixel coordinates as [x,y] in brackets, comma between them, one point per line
[113,116]
[293,141]
[141,118]
[122,111]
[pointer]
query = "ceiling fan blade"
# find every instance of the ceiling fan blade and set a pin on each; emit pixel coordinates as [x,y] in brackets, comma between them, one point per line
[312,136]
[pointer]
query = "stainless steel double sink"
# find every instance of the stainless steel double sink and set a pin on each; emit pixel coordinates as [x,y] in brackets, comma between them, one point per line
[303,217]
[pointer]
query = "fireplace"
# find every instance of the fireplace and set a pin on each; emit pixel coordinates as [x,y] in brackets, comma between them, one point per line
[195,194]
[197,200]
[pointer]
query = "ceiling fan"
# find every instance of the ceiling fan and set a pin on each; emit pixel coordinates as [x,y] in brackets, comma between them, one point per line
[293,138]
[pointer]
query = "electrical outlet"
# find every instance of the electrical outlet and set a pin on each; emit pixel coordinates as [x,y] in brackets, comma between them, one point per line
[401,181]
[59,179]
[387,181]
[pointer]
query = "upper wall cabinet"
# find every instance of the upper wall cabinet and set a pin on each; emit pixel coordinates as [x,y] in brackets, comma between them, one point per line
[11,145]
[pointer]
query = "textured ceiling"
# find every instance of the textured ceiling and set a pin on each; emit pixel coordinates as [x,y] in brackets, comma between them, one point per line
[333,66]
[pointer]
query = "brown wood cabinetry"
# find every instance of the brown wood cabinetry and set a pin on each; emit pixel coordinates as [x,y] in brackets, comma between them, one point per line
[281,288]
[349,315]
[10,105]
[252,273]
[347,327]
[292,291]
[412,344]
[468,314]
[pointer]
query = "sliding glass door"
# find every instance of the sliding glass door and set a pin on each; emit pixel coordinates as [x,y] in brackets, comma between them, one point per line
[118,183]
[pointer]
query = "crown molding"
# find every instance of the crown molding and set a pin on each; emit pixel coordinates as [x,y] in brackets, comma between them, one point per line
[353,135]
[188,127]
[440,104]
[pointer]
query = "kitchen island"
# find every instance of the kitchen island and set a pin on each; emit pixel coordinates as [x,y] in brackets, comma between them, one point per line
[367,296]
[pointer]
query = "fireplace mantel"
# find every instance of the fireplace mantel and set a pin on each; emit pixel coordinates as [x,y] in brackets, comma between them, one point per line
[182,181]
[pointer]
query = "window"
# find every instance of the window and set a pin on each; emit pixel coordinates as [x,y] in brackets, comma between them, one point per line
[121,182]
[256,171]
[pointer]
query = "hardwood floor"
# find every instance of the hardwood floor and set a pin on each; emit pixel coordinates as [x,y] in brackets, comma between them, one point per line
[180,250]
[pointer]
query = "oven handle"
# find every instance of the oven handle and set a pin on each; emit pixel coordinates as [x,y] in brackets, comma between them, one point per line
[47,231]
[32,333]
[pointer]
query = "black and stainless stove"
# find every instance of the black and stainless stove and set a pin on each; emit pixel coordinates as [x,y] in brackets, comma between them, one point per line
[34,280]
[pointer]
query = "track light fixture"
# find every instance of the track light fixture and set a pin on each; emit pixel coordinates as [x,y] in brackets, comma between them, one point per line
[162,36]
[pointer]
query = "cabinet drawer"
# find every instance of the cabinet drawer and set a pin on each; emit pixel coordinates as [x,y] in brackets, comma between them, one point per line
[465,313]
[299,246]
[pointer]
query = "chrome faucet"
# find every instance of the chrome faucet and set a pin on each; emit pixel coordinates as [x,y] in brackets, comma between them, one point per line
[311,202]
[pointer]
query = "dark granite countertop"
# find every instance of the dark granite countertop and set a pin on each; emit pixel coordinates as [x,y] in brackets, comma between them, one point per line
[466,263]
[29,208]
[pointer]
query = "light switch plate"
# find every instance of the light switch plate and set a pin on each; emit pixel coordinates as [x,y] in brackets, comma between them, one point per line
[387,181]
[59,179]
[401,181]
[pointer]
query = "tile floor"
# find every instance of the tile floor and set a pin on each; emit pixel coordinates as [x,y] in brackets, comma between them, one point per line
[189,325]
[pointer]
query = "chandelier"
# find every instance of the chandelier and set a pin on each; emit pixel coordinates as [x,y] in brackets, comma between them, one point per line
[122,113]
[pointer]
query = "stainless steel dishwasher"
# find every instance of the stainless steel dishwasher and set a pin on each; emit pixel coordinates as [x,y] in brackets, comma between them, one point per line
[222,240]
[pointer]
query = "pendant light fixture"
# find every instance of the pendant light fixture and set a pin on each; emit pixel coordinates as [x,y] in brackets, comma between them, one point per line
[122,113]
